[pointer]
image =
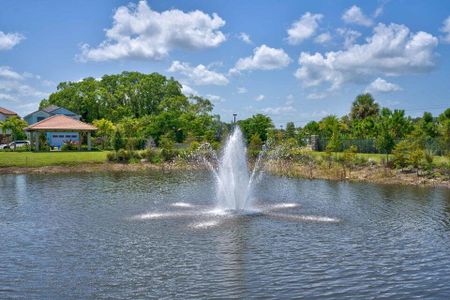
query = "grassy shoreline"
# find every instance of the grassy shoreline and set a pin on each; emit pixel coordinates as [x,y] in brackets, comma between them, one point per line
[45,159]
[92,162]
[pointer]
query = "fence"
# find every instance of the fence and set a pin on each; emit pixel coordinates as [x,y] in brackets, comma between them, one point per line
[436,146]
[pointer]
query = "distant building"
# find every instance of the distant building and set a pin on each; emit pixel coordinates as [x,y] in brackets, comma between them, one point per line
[54,139]
[62,128]
[5,114]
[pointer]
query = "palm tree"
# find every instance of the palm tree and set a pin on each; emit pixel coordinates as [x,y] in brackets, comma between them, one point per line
[364,106]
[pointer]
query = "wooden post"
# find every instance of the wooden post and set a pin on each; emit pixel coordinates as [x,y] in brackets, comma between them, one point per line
[31,141]
[37,141]
[89,140]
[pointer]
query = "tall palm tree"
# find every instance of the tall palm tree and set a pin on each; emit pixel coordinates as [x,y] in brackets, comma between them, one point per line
[364,106]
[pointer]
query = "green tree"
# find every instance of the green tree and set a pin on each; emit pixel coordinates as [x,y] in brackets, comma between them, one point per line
[329,125]
[105,131]
[364,106]
[384,140]
[311,128]
[334,144]
[258,124]
[290,132]
[400,153]
[255,145]
[16,125]
[113,97]
[118,140]
[443,128]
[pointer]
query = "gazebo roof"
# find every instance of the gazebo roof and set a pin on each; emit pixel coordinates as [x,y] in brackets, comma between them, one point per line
[60,123]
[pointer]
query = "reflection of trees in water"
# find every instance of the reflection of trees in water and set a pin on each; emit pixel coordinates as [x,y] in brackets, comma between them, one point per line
[14,188]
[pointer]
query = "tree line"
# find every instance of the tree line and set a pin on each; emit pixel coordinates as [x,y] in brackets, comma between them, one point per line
[133,110]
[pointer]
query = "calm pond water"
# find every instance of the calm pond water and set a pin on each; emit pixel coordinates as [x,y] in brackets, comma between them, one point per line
[152,235]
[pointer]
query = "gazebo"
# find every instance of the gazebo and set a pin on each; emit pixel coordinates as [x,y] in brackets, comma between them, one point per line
[60,123]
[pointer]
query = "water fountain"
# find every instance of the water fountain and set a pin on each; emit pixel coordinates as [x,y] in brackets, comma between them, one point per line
[233,180]
[235,185]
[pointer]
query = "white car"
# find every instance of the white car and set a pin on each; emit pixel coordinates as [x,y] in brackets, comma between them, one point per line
[4,146]
[17,144]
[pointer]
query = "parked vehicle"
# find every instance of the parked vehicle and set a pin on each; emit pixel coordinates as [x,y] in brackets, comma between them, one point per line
[4,146]
[17,144]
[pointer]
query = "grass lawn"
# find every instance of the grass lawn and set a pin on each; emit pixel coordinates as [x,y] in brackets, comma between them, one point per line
[40,159]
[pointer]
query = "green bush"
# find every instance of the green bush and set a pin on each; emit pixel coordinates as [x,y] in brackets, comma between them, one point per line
[111,156]
[69,146]
[152,155]
[123,155]
[400,154]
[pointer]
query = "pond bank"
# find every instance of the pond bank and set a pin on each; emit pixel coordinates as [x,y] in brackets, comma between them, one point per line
[372,174]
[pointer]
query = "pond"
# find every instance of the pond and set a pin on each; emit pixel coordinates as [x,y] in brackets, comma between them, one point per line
[142,235]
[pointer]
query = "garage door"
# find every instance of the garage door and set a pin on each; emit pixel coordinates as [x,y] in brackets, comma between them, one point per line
[58,139]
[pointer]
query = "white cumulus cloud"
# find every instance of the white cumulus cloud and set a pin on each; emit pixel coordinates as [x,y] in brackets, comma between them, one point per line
[323,38]
[245,38]
[260,97]
[215,98]
[392,50]
[303,28]
[9,40]
[241,90]
[140,32]
[446,30]
[380,85]
[187,90]
[316,96]
[21,92]
[199,75]
[263,58]
[354,15]
[279,110]
[7,73]
[349,35]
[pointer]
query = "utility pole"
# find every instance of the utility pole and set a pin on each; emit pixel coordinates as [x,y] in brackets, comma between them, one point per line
[234,118]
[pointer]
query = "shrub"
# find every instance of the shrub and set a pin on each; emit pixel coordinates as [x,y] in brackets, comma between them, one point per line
[69,146]
[168,152]
[111,156]
[152,155]
[254,147]
[416,158]
[123,155]
[349,157]
[118,142]
[400,154]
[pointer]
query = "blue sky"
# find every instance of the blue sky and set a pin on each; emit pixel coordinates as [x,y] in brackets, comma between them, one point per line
[292,60]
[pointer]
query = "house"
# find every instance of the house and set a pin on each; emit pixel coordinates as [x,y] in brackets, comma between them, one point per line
[61,128]
[57,138]
[5,114]
[49,111]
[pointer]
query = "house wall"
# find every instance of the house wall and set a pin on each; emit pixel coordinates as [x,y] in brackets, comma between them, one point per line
[36,117]
[63,111]
[57,139]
